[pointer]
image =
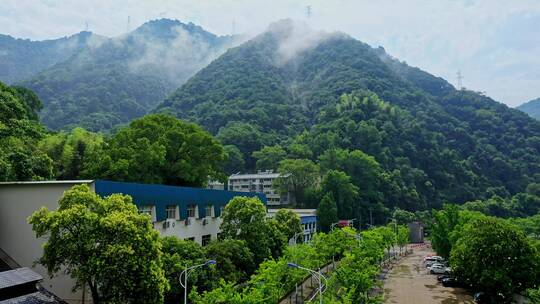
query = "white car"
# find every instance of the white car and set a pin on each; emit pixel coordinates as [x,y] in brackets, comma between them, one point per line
[433,260]
[439,269]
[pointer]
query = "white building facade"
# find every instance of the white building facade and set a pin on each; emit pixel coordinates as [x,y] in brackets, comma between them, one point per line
[260,182]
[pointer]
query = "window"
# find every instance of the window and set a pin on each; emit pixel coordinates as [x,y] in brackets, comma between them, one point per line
[209,210]
[145,210]
[191,239]
[191,211]
[171,211]
[206,239]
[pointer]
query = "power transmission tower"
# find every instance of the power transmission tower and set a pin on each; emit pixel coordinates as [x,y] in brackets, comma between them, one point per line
[86,26]
[459,80]
[128,25]
[233,26]
[308,11]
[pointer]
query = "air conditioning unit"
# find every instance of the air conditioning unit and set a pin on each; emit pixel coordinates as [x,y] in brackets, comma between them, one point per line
[187,221]
[205,221]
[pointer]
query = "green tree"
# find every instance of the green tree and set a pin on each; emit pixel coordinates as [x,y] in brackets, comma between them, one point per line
[403,216]
[69,151]
[159,148]
[327,212]
[234,259]
[244,219]
[235,160]
[105,244]
[269,157]
[177,255]
[496,257]
[297,176]
[443,225]
[344,192]
[402,238]
[289,222]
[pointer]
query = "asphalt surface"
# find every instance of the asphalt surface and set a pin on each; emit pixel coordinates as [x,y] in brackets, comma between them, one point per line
[410,283]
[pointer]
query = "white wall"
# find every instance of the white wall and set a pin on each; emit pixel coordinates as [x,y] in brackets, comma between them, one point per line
[18,240]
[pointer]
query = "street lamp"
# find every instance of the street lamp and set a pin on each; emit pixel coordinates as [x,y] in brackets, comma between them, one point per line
[186,273]
[320,276]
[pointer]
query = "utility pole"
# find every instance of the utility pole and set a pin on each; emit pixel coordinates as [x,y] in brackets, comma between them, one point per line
[459,80]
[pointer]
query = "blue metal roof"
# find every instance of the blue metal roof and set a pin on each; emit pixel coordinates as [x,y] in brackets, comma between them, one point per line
[162,195]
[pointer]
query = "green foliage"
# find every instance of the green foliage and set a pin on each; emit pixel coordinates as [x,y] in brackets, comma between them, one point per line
[288,221]
[496,257]
[327,212]
[403,216]
[269,157]
[343,191]
[244,219]
[234,259]
[235,160]
[19,133]
[177,255]
[297,176]
[70,151]
[103,243]
[444,224]
[159,148]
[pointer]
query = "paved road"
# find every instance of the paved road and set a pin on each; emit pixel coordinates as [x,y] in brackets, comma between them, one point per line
[410,283]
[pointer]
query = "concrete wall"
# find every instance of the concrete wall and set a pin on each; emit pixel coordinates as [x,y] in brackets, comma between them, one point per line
[17,203]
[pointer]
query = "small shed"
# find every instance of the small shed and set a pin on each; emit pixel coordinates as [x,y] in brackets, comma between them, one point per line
[416,232]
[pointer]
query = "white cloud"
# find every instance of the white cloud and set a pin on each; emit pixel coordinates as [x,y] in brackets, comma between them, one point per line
[474,36]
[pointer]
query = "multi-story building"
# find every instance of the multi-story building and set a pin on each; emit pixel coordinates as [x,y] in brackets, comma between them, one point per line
[260,182]
[215,185]
[188,213]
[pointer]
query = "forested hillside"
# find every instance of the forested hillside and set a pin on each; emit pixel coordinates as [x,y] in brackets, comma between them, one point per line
[306,94]
[21,59]
[532,108]
[113,81]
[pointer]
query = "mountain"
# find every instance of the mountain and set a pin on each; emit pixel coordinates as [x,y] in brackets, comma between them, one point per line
[21,59]
[532,108]
[312,92]
[118,79]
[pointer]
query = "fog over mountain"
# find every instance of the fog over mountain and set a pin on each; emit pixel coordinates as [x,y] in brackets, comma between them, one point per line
[113,80]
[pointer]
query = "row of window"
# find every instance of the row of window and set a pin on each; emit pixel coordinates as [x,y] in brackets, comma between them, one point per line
[172,211]
[206,239]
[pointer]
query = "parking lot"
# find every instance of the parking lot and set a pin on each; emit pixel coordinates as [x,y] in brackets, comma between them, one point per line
[410,283]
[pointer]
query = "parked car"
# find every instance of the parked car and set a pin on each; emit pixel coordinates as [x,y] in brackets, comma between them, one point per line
[432,260]
[486,298]
[439,269]
[442,277]
[450,282]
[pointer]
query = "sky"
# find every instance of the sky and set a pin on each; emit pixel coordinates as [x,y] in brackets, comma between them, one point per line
[495,44]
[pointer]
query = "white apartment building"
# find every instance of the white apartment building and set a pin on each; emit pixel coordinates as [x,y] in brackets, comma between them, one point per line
[260,182]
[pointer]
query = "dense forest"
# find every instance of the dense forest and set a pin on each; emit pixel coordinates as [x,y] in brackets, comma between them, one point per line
[532,108]
[433,143]
[114,80]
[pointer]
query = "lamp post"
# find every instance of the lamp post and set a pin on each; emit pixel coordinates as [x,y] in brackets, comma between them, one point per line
[320,276]
[186,273]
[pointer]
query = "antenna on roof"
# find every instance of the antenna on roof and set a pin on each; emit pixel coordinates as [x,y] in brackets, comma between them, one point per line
[459,80]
